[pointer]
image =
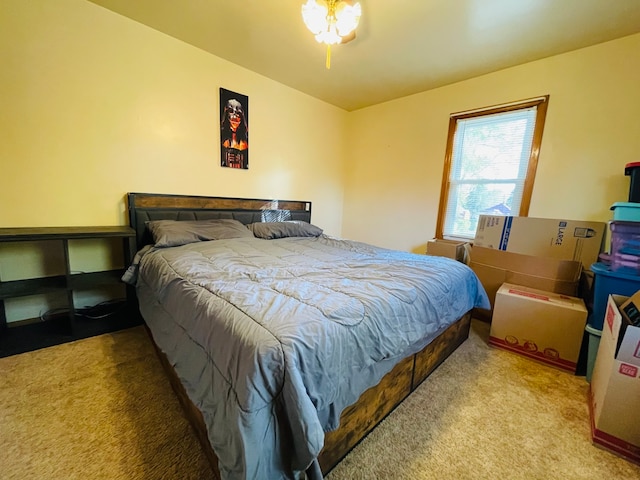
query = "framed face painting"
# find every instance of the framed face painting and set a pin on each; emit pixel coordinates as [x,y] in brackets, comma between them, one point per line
[234,129]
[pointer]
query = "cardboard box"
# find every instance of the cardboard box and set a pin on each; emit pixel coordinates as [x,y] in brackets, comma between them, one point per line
[631,310]
[495,267]
[449,248]
[615,385]
[544,326]
[542,237]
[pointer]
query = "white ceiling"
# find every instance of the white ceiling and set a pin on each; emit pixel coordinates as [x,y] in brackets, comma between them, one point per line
[402,46]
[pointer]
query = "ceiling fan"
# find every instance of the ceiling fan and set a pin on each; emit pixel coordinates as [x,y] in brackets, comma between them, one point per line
[332,21]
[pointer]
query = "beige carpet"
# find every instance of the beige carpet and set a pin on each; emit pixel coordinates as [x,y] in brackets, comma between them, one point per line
[101,408]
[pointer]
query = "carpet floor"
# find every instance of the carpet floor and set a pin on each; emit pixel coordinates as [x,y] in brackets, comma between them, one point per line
[102,408]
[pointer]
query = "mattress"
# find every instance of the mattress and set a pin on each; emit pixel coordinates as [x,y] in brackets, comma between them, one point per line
[272,339]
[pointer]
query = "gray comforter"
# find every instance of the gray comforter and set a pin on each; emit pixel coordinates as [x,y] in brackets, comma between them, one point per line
[272,339]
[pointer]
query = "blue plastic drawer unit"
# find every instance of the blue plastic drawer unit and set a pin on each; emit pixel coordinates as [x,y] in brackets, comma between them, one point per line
[607,282]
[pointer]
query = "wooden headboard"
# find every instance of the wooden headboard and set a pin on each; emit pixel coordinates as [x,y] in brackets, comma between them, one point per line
[144,207]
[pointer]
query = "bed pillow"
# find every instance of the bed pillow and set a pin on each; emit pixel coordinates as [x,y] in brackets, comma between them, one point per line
[292,228]
[172,233]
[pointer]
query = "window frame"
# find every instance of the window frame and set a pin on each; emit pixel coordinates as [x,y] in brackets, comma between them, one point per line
[541,104]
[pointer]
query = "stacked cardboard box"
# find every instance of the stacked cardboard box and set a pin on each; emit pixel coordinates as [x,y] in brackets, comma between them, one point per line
[546,258]
[543,326]
[531,269]
[495,267]
[543,253]
[580,241]
[615,383]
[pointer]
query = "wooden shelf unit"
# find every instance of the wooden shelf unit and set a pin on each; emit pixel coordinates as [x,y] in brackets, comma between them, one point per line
[66,326]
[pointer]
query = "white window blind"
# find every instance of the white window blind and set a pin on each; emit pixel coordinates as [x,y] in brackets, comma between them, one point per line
[489,163]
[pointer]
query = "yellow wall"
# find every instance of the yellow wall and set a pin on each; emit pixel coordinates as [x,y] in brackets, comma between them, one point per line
[96,105]
[592,130]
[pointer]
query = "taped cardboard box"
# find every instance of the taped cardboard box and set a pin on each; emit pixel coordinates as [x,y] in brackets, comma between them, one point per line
[449,248]
[615,385]
[542,237]
[495,267]
[543,326]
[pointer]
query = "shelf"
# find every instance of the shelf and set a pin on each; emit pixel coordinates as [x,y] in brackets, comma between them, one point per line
[34,336]
[125,317]
[70,325]
[95,279]
[32,286]
[37,286]
[61,233]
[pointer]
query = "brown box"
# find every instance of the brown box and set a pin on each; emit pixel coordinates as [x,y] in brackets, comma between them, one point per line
[543,326]
[630,310]
[615,385]
[449,248]
[542,237]
[495,267]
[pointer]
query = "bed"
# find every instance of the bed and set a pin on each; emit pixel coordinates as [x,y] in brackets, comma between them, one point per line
[287,346]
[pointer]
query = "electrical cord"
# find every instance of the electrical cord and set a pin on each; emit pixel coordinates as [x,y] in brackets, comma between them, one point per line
[101,310]
[95,312]
[54,312]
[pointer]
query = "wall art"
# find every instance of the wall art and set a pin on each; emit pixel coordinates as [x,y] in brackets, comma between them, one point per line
[234,129]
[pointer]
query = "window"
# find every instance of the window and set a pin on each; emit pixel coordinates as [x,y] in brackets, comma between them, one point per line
[490,165]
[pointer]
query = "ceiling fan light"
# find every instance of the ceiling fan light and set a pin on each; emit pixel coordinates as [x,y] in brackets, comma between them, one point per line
[314,15]
[331,20]
[329,37]
[347,17]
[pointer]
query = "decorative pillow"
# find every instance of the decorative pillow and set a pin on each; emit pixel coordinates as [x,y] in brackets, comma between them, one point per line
[292,228]
[172,233]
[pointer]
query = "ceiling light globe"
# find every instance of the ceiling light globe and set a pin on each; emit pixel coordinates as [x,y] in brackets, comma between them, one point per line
[314,15]
[347,17]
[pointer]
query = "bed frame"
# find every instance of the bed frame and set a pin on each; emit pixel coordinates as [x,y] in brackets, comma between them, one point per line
[374,404]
